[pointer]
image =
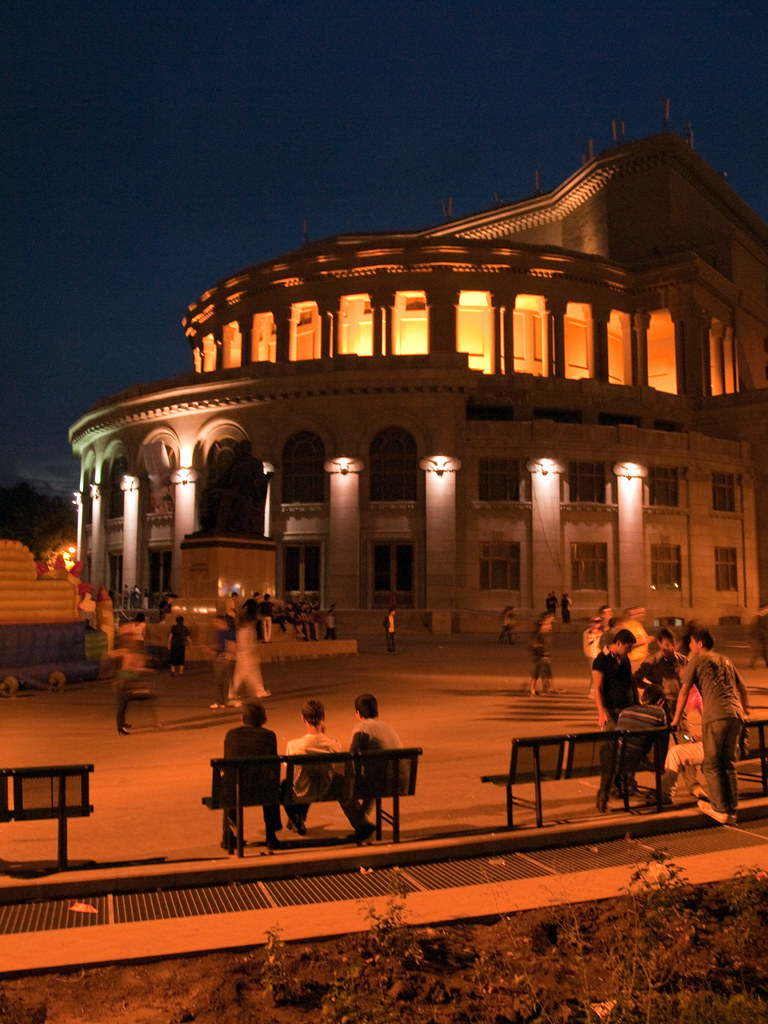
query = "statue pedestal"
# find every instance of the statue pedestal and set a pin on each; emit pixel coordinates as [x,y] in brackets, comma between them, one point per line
[213,565]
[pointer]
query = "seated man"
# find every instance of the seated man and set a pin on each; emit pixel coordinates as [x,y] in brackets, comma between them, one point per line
[638,717]
[251,739]
[664,668]
[370,733]
[312,782]
[682,767]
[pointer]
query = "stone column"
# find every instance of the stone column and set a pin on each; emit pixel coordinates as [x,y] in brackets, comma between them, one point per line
[77,501]
[546,540]
[129,485]
[632,579]
[97,537]
[342,578]
[246,340]
[600,317]
[442,323]
[441,569]
[556,354]
[382,311]
[184,505]
[642,321]
[691,350]
[715,367]
[328,326]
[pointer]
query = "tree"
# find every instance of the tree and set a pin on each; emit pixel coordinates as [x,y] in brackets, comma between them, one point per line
[44,524]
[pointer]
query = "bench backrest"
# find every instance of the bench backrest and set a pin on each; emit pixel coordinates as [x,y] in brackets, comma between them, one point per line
[535,757]
[591,752]
[258,778]
[376,772]
[45,792]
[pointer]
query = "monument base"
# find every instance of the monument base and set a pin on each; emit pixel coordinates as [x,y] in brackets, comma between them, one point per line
[212,566]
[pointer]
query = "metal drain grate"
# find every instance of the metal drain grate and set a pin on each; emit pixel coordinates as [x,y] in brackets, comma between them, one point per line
[565,860]
[293,892]
[53,914]
[165,904]
[474,871]
[718,840]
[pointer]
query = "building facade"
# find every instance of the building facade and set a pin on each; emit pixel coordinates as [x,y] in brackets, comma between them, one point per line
[567,393]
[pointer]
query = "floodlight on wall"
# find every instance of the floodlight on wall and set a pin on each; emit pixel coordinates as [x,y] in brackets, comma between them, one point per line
[129,483]
[630,470]
[77,499]
[184,475]
[342,465]
[440,464]
[95,490]
[544,467]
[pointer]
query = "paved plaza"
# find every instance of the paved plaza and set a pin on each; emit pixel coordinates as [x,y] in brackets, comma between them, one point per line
[460,698]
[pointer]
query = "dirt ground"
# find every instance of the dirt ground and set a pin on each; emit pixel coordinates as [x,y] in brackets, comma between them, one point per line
[666,951]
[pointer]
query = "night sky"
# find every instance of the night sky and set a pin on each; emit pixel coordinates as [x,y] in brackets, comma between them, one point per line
[151,149]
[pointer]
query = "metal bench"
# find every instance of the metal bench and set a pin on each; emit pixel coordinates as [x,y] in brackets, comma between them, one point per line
[370,775]
[59,791]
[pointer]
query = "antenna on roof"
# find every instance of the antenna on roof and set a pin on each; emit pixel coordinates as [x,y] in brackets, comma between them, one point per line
[447,205]
[665,121]
[304,230]
[689,130]
[617,127]
[590,149]
[537,180]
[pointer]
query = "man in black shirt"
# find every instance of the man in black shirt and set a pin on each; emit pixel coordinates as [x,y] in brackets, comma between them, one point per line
[615,688]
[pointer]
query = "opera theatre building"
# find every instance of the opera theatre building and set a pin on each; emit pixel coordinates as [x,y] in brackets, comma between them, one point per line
[568,393]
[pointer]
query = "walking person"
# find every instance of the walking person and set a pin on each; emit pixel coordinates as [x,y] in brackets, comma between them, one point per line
[390,628]
[725,708]
[539,648]
[247,681]
[590,644]
[178,641]
[330,623]
[507,634]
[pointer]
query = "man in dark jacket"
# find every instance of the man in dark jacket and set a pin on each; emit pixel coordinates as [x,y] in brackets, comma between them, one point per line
[251,739]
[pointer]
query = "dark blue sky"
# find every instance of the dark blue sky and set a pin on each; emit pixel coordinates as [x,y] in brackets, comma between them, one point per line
[151,149]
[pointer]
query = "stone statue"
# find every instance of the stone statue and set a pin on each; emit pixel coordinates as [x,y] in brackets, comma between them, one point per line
[235,503]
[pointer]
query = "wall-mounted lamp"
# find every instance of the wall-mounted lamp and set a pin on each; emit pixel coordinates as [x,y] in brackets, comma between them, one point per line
[184,475]
[544,467]
[630,470]
[77,499]
[440,464]
[343,466]
[95,490]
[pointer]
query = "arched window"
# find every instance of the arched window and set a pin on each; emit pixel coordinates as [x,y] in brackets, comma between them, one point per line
[118,471]
[303,473]
[394,466]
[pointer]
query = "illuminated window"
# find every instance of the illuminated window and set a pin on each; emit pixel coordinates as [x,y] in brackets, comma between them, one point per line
[303,473]
[663,486]
[263,339]
[723,492]
[410,334]
[725,569]
[118,471]
[355,325]
[530,335]
[589,566]
[499,480]
[586,482]
[231,345]
[662,358]
[665,566]
[499,565]
[305,332]
[474,330]
[394,466]
[209,353]
[577,332]
[619,348]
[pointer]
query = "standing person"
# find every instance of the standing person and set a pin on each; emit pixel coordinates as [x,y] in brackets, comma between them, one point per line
[612,678]
[607,624]
[590,644]
[247,681]
[565,607]
[390,628]
[224,658]
[178,641]
[664,669]
[551,603]
[311,782]
[370,733]
[507,634]
[330,623]
[725,708]
[251,739]
[266,610]
[539,648]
